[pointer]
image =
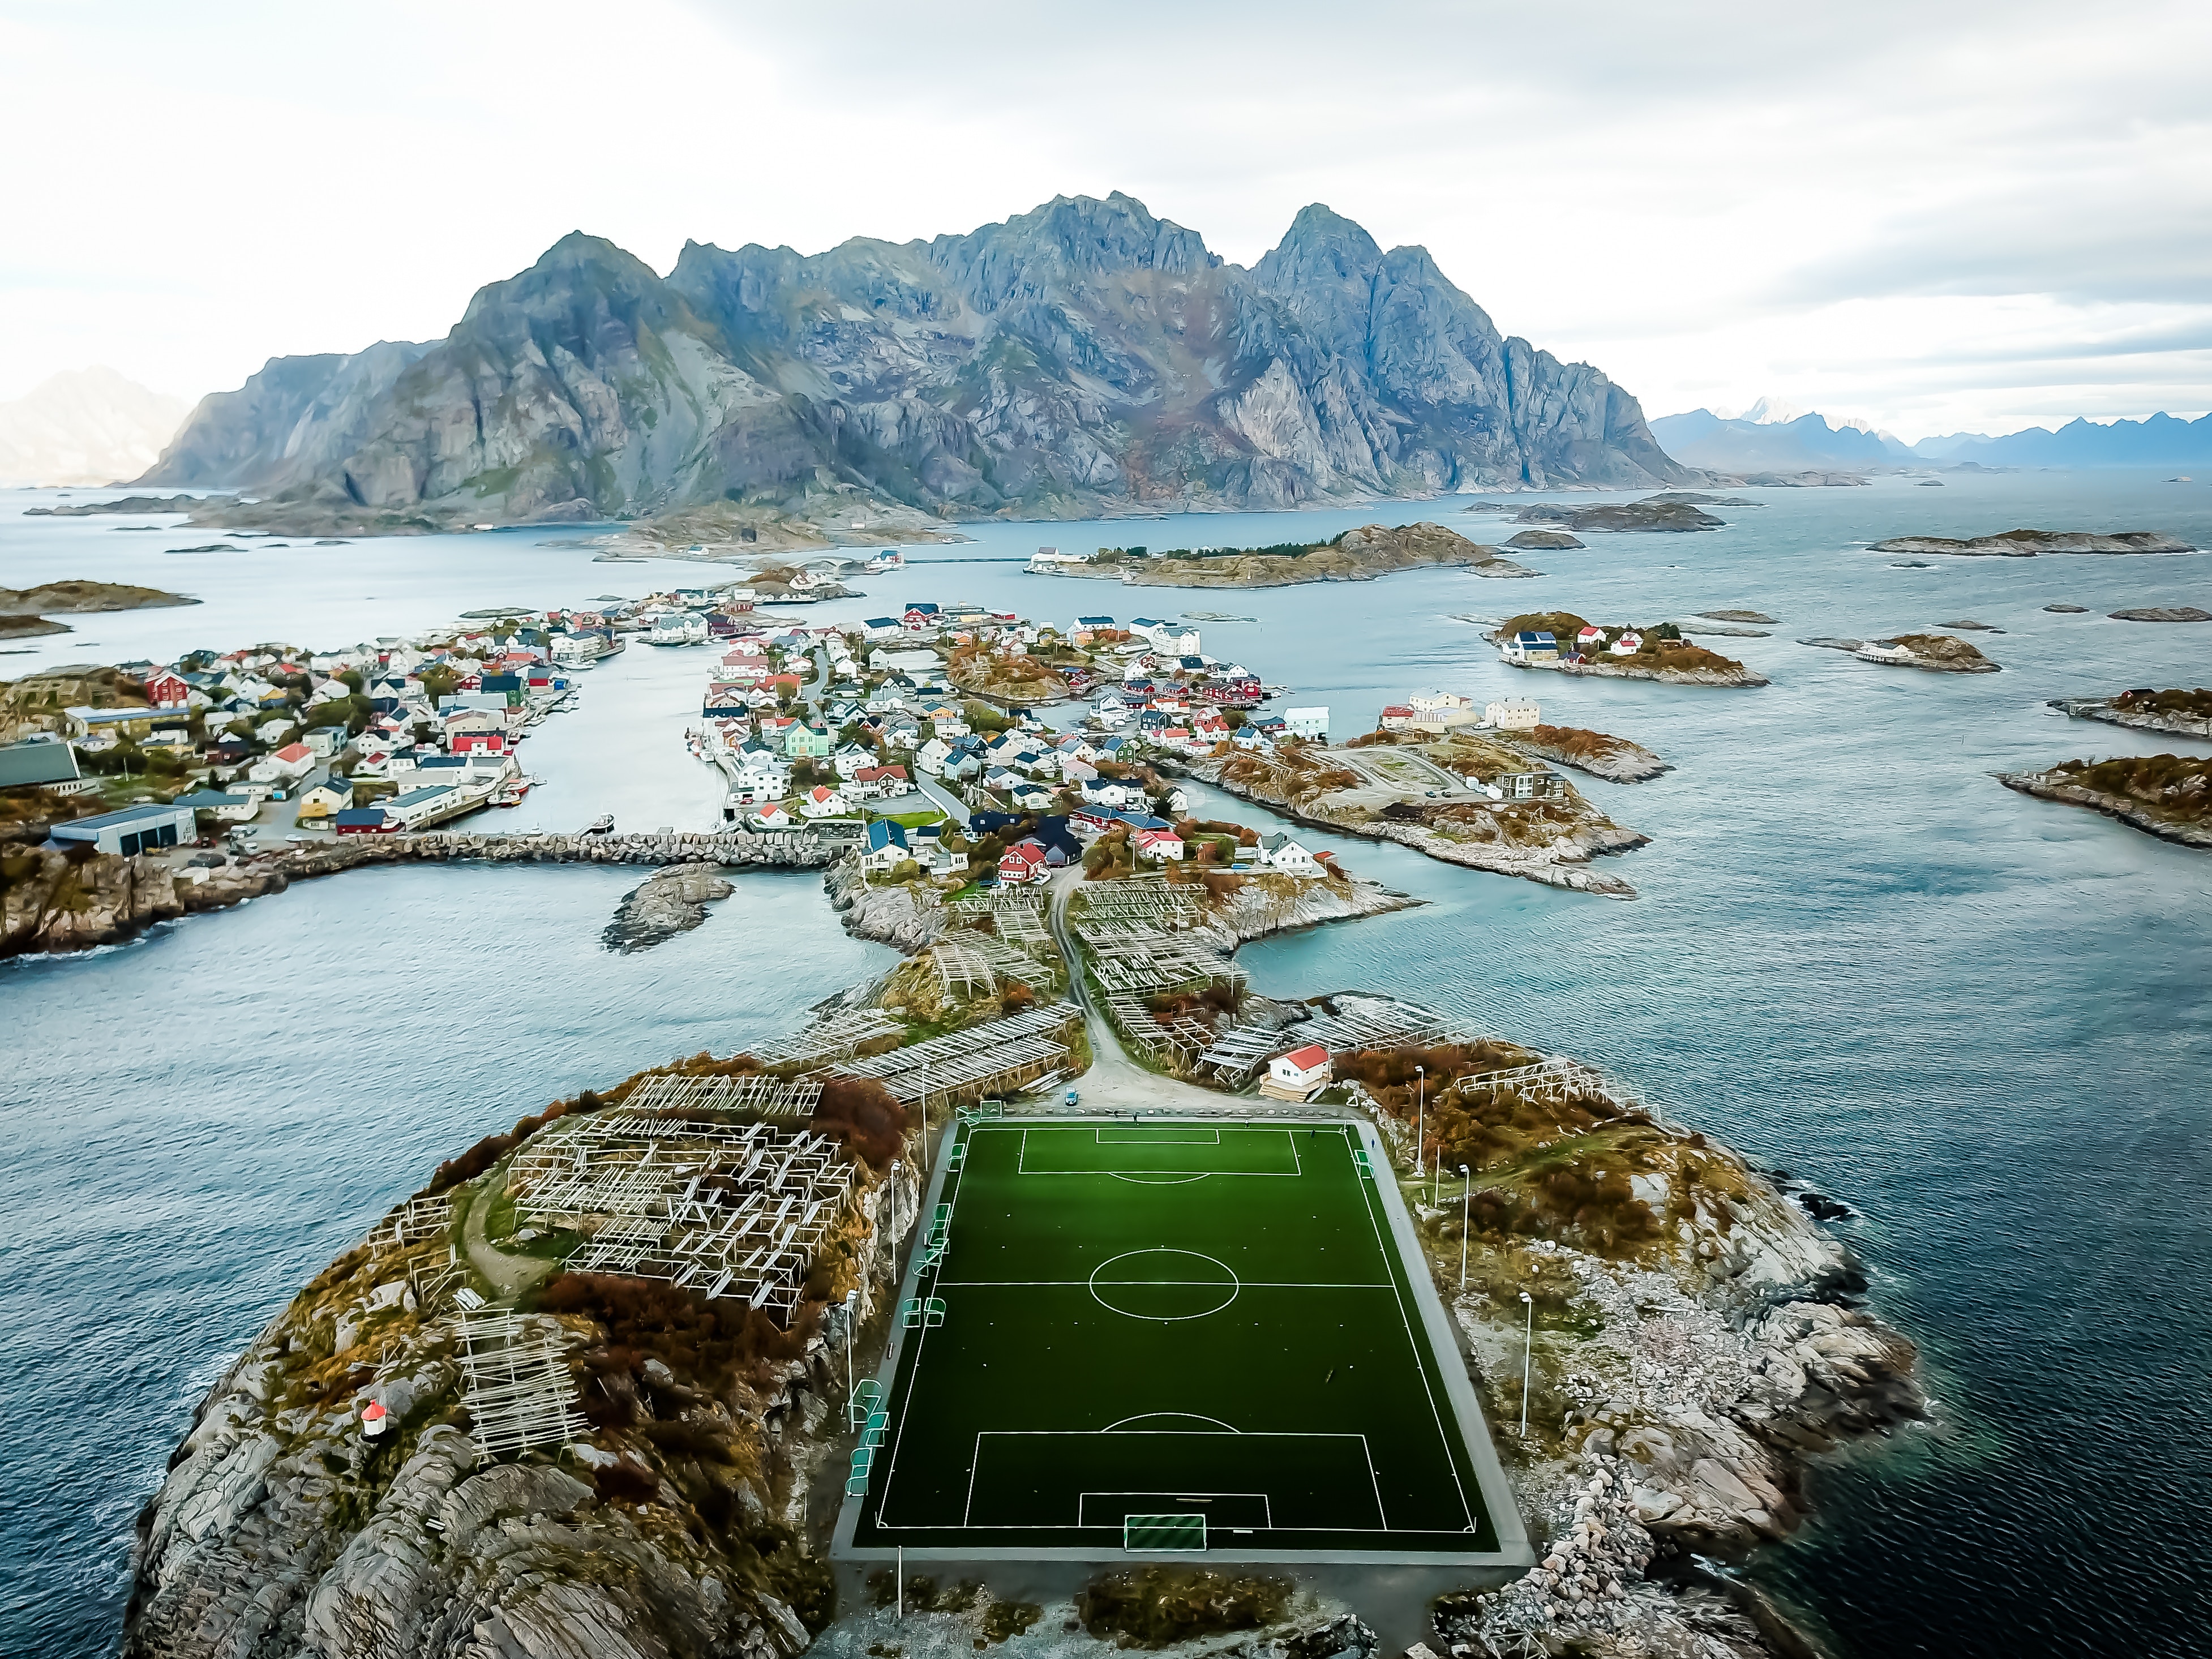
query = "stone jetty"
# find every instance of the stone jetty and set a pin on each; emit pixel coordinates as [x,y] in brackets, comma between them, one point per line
[57,901]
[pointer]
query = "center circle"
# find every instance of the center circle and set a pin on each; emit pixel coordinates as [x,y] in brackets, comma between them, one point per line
[1164,1285]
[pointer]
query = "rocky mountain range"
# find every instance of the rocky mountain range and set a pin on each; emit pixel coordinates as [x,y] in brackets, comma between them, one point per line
[1748,444]
[1087,357]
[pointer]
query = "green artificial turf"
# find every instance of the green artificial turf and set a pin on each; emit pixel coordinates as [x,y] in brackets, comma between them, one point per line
[1163,1319]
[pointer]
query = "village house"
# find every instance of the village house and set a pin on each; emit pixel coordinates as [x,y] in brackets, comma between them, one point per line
[1164,844]
[287,765]
[886,848]
[1279,853]
[876,782]
[1529,646]
[1628,644]
[1023,864]
[824,802]
[166,689]
[1298,1075]
[416,807]
[1513,714]
[326,796]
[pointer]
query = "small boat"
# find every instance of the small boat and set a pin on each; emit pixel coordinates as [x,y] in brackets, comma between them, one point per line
[602,825]
[890,559]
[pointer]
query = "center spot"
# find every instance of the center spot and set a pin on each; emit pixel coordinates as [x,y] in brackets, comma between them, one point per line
[1164,1285]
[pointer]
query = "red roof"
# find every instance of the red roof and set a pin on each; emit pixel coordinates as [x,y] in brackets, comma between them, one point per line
[294,751]
[1307,1058]
[1399,711]
[373,1412]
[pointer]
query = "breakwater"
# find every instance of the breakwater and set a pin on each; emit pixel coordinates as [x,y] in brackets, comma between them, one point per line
[57,901]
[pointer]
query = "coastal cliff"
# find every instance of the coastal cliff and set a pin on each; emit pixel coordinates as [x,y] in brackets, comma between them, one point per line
[1084,358]
[675,1524]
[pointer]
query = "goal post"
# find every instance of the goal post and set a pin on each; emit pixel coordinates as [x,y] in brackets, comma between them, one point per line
[1161,1534]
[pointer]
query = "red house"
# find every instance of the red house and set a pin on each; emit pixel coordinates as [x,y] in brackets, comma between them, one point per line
[480,742]
[165,689]
[1022,864]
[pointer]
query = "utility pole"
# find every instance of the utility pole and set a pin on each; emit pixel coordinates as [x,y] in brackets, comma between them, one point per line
[1466,1194]
[1528,1348]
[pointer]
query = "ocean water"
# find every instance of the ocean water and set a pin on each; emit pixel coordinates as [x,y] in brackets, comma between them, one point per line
[1981,1020]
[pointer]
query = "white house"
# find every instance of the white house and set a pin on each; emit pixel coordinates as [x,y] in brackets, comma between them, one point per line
[1278,852]
[1310,724]
[1513,714]
[932,755]
[1299,1075]
[287,765]
[1160,844]
[824,802]
[1628,644]
[886,847]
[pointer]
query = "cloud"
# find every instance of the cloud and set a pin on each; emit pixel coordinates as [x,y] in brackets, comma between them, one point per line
[1708,200]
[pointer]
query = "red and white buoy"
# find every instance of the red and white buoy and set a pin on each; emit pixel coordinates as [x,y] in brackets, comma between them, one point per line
[372,1418]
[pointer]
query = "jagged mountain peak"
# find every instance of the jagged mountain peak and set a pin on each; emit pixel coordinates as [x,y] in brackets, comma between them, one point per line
[1084,354]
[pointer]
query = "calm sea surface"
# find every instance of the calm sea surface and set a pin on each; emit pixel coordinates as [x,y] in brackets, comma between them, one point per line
[1982,1020]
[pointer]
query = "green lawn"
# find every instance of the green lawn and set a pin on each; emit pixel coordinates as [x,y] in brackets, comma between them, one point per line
[1170,1319]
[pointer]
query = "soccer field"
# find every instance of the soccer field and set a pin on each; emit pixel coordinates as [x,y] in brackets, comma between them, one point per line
[1163,1337]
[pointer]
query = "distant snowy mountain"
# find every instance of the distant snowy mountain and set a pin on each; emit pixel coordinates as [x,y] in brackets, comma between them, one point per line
[86,426]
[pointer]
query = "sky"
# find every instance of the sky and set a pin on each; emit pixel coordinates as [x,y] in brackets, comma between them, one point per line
[1969,216]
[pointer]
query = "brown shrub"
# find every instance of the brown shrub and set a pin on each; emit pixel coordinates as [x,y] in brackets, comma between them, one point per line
[699,1340]
[860,1114]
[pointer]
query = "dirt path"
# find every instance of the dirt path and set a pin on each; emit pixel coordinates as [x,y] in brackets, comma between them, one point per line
[509,1276]
[1115,1082]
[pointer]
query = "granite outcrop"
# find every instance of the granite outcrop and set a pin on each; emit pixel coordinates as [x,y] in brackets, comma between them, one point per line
[1084,358]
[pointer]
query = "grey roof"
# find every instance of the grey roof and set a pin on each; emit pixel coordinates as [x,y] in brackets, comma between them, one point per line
[114,820]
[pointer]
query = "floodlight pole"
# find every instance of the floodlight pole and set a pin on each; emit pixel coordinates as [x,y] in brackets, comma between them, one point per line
[1465,1193]
[852,1307]
[1420,1119]
[1528,1348]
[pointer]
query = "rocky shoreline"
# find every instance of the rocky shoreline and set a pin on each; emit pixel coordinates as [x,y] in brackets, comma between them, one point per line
[2108,710]
[1559,861]
[57,900]
[672,902]
[1357,556]
[2051,786]
[1738,676]
[1684,1386]
[2027,544]
[1616,760]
